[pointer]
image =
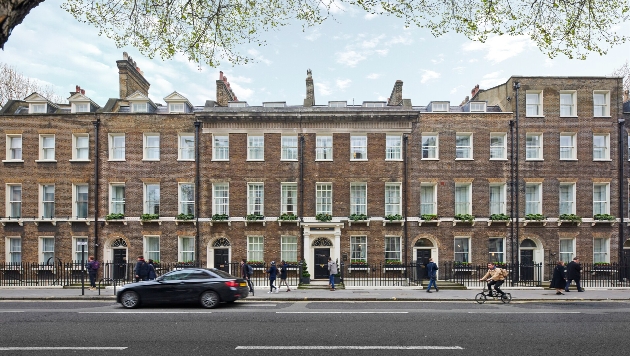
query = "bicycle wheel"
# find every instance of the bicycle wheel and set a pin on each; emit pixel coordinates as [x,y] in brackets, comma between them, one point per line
[506,298]
[480,298]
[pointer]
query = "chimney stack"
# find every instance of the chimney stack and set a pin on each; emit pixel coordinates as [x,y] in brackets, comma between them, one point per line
[310,89]
[130,78]
[396,99]
[224,91]
[474,91]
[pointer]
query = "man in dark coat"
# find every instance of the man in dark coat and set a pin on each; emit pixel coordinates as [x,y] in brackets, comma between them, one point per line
[432,274]
[559,281]
[141,270]
[574,271]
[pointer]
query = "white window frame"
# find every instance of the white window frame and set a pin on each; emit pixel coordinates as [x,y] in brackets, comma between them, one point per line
[139,107]
[81,147]
[14,150]
[221,203]
[34,108]
[256,198]
[255,147]
[176,108]
[116,151]
[358,248]
[461,249]
[324,148]
[393,198]
[13,250]
[289,248]
[151,198]
[534,152]
[478,107]
[255,248]
[151,146]
[80,107]
[440,106]
[570,105]
[463,190]
[76,250]
[533,201]
[289,148]
[186,198]
[604,108]
[289,198]
[496,256]
[393,147]
[500,206]
[566,249]
[534,108]
[80,200]
[605,148]
[185,255]
[14,201]
[601,250]
[46,152]
[46,249]
[430,152]
[463,151]
[149,251]
[116,205]
[498,151]
[428,207]
[358,148]
[358,198]
[393,248]
[601,204]
[323,198]
[570,147]
[186,149]
[566,198]
[221,147]
[45,202]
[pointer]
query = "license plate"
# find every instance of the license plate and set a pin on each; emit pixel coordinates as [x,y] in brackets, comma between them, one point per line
[243,284]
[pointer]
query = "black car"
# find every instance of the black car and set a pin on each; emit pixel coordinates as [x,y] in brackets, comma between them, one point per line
[208,286]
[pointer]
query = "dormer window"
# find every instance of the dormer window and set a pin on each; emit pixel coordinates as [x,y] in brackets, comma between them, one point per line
[237,104]
[337,104]
[81,107]
[176,107]
[439,107]
[373,104]
[477,107]
[139,107]
[279,104]
[37,108]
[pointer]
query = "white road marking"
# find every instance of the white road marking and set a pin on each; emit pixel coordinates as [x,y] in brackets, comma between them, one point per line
[542,312]
[11,311]
[257,305]
[145,312]
[45,348]
[341,312]
[283,347]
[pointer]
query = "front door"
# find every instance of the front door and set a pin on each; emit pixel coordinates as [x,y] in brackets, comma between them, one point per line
[221,259]
[422,259]
[625,272]
[527,265]
[120,263]
[321,262]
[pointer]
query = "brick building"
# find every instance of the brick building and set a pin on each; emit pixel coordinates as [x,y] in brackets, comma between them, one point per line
[375,182]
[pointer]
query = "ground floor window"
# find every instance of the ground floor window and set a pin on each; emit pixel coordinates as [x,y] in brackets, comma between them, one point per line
[186,250]
[462,249]
[358,249]
[495,249]
[152,248]
[288,248]
[392,249]
[255,248]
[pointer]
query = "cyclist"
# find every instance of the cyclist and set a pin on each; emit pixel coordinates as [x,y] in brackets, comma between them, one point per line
[495,276]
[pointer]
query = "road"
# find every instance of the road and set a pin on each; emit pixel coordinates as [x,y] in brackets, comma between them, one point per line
[315,328]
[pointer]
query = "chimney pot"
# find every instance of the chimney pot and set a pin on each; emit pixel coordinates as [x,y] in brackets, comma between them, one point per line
[78,89]
[82,91]
[220,75]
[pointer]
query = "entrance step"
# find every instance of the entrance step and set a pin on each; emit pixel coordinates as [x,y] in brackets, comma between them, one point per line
[319,284]
[445,285]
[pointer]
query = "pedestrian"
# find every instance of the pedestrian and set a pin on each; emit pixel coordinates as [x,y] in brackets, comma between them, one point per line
[141,271]
[332,271]
[283,275]
[152,275]
[273,272]
[92,267]
[432,268]
[558,281]
[574,271]
[247,272]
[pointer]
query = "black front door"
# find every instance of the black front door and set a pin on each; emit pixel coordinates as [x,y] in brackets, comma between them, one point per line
[422,258]
[527,265]
[221,259]
[625,272]
[120,263]
[321,262]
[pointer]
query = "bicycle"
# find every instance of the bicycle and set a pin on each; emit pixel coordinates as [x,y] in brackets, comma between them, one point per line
[484,295]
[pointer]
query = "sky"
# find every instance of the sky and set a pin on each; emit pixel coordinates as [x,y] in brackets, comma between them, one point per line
[357,57]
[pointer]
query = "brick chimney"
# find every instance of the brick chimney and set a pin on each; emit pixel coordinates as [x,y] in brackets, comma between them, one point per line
[474,91]
[310,90]
[77,91]
[396,99]
[130,78]
[224,91]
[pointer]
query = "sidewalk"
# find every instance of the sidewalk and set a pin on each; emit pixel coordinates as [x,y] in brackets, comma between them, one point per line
[354,294]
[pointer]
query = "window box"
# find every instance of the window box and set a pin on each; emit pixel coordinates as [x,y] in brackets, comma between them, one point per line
[358,219]
[464,218]
[150,218]
[288,218]
[603,219]
[569,219]
[323,217]
[394,219]
[185,218]
[463,267]
[429,218]
[251,218]
[499,218]
[535,218]
[394,265]
[220,218]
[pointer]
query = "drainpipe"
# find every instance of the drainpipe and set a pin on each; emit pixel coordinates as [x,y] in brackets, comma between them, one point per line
[404,194]
[301,182]
[515,279]
[197,202]
[97,125]
[512,188]
[620,139]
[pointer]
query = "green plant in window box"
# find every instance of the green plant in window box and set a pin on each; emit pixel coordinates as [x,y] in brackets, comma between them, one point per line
[393,262]
[464,217]
[287,217]
[256,263]
[358,217]
[254,217]
[604,217]
[570,217]
[499,217]
[183,216]
[428,217]
[114,216]
[323,217]
[145,217]
[220,217]
[535,217]
[462,264]
[358,263]
[393,217]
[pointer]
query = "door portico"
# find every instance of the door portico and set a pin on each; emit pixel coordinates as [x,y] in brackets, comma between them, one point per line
[312,237]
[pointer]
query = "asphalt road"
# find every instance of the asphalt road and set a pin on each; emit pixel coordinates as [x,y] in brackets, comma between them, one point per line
[315,328]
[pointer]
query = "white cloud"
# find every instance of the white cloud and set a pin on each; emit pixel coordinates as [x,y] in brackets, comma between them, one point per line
[382,52]
[372,42]
[499,48]
[258,57]
[314,35]
[373,76]
[350,58]
[343,83]
[439,59]
[405,40]
[323,89]
[336,7]
[456,89]
[428,75]
[370,16]
[491,79]
[459,70]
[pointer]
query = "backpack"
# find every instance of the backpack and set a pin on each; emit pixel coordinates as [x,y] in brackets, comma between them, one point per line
[95,265]
[505,273]
[250,270]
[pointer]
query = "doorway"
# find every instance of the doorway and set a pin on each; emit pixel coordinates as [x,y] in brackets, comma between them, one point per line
[321,262]
[120,263]
[527,265]
[221,259]
[422,259]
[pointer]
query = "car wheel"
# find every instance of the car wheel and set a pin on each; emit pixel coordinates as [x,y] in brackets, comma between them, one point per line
[130,299]
[209,299]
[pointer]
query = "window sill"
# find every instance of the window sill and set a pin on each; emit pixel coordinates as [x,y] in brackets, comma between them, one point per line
[117,160]
[227,221]
[464,159]
[569,117]
[602,117]
[603,160]
[498,159]
[255,160]
[543,222]
[534,160]
[51,220]
[358,269]
[46,161]
[193,221]
[79,160]
[79,220]
[220,160]
[434,221]
[18,221]
[150,160]
[394,160]
[401,222]
[288,160]
[536,117]
[185,160]
[151,221]
[13,161]
[358,160]
[113,221]
[323,160]
[506,222]
[433,159]
[569,159]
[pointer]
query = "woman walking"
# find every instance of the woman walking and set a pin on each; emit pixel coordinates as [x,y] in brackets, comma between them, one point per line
[558,281]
